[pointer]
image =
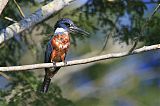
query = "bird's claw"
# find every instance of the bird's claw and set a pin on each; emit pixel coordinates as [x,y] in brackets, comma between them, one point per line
[54,65]
[65,62]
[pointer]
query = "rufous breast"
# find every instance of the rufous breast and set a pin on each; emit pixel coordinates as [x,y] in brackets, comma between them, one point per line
[61,42]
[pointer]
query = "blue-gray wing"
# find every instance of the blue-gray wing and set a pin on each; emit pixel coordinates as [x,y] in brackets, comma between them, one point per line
[48,52]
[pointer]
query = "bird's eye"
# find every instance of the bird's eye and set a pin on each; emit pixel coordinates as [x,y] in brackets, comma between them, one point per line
[67,24]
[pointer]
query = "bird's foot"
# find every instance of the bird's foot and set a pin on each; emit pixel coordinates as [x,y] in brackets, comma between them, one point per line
[65,62]
[54,65]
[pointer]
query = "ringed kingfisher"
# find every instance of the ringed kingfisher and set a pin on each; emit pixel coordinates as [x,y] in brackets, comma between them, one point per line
[57,48]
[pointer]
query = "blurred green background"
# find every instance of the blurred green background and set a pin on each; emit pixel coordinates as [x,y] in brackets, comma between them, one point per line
[127,81]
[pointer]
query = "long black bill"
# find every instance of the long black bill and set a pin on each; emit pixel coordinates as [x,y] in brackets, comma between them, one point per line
[75,29]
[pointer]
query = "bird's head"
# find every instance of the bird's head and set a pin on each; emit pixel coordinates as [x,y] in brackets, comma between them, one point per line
[65,24]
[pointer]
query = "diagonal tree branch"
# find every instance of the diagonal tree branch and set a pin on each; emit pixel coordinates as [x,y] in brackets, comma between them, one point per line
[82,61]
[40,15]
[155,10]
[10,19]
[19,8]
[5,76]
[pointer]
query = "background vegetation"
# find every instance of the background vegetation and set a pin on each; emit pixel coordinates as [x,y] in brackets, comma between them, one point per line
[128,81]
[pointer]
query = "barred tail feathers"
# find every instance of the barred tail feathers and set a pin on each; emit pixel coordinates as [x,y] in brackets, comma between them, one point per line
[47,79]
[45,84]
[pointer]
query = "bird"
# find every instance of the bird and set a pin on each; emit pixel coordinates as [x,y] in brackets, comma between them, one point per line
[57,48]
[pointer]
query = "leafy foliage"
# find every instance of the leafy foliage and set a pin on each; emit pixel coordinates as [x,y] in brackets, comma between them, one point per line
[24,94]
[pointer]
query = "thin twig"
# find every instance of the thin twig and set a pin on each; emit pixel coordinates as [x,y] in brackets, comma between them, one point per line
[19,8]
[155,10]
[133,47]
[5,76]
[149,19]
[10,19]
[106,40]
[107,37]
[82,61]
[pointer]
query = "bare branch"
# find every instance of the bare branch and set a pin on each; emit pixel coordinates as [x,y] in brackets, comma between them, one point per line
[155,10]
[3,3]
[82,61]
[10,19]
[5,76]
[19,8]
[106,40]
[43,13]
[133,47]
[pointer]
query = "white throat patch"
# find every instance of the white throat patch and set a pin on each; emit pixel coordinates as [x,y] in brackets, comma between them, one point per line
[60,31]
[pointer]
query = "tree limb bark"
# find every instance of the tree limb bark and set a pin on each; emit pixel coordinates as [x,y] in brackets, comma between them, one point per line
[41,14]
[82,61]
[3,3]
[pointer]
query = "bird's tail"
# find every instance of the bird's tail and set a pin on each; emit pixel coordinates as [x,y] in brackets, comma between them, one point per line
[45,84]
[47,79]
